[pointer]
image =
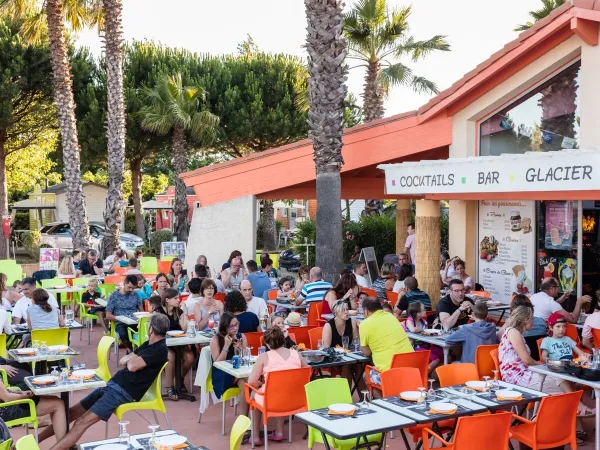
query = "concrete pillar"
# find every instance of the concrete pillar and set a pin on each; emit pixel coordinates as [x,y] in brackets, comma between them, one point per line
[427,223]
[402,221]
[463,233]
[589,97]
[218,229]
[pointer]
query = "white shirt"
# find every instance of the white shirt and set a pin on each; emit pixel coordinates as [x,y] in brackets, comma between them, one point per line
[544,305]
[133,272]
[20,308]
[258,306]
[4,324]
[109,260]
[6,305]
[190,302]
[362,281]
[398,285]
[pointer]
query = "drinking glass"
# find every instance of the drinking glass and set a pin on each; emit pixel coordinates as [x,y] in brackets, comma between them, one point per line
[365,403]
[356,344]
[154,428]
[495,382]
[123,435]
[248,355]
[43,348]
[64,375]
[487,387]
[263,349]
[55,373]
[345,342]
[422,398]
[431,392]
[211,324]
[320,345]
[35,345]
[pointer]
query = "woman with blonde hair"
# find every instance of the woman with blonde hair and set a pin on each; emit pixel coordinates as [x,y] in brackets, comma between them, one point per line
[67,268]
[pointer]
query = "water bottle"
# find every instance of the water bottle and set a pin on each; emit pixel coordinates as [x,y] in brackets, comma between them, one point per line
[191,329]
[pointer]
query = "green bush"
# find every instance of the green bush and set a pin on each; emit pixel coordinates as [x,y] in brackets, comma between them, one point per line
[308,230]
[130,222]
[378,232]
[21,221]
[31,241]
[158,237]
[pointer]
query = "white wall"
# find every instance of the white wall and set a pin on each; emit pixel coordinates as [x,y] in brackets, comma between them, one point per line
[218,229]
[95,203]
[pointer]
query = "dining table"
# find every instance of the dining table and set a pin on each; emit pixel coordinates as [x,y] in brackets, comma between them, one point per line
[33,356]
[137,441]
[286,305]
[436,338]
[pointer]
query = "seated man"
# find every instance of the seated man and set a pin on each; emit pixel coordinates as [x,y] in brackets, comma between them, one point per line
[591,321]
[453,309]
[381,337]
[124,302]
[412,295]
[127,385]
[19,311]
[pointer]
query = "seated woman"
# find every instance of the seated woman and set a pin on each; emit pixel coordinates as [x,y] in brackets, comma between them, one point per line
[42,315]
[44,404]
[235,303]
[162,283]
[514,357]
[207,308]
[460,274]
[177,321]
[345,289]
[278,357]
[223,347]
[278,320]
[340,326]
[66,268]
[121,260]
[178,274]
[405,271]
[386,280]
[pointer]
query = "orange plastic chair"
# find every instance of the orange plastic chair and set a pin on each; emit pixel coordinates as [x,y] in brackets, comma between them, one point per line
[114,279]
[488,431]
[539,345]
[291,335]
[272,294]
[370,292]
[418,360]
[146,306]
[278,399]
[400,379]
[483,360]
[121,270]
[494,355]
[596,337]
[253,339]
[554,425]
[572,332]
[453,374]
[220,296]
[164,266]
[302,334]
[392,297]
[315,335]
[315,309]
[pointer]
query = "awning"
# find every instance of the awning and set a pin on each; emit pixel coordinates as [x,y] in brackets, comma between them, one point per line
[31,204]
[532,174]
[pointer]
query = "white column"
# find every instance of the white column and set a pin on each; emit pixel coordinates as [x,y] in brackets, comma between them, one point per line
[589,97]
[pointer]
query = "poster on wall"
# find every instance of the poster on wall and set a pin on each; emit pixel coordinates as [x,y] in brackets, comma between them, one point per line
[567,274]
[559,225]
[176,249]
[49,258]
[506,248]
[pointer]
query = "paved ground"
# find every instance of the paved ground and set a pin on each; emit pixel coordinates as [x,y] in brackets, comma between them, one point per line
[183,416]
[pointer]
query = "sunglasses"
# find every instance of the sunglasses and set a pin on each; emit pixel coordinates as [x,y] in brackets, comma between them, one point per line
[279,314]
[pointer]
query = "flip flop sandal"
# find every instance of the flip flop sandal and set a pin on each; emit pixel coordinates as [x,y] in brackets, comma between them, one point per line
[172,394]
[276,437]
[257,442]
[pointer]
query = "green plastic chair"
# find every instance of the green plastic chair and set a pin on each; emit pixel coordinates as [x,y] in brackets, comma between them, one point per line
[13,273]
[89,318]
[31,419]
[52,336]
[148,264]
[107,289]
[168,258]
[322,393]
[102,354]
[81,281]
[242,423]
[3,346]
[6,444]
[27,443]
[53,282]
[137,338]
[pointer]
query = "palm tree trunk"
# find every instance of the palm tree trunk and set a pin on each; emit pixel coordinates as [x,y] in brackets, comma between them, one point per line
[135,166]
[373,110]
[268,220]
[65,109]
[327,90]
[113,10]
[3,192]
[180,208]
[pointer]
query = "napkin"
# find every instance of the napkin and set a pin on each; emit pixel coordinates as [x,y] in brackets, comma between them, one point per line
[42,383]
[336,413]
[74,378]
[409,399]
[435,411]
[498,397]
[174,447]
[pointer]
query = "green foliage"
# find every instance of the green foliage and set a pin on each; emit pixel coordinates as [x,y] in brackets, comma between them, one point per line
[21,221]
[444,230]
[130,222]
[370,231]
[538,14]
[307,232]
[31,241]
[151,185]
[158,237]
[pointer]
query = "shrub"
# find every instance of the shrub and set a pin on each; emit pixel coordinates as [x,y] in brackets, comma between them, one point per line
[374,231]
[158,237]
[308,230]
[31,241]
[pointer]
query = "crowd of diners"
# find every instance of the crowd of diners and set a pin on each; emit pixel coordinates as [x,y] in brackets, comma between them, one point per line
[382,331]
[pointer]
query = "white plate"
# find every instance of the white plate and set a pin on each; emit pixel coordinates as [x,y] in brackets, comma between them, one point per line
[411,395]
[44,379]
[475,384]
[171,440]
[507,393]
[176,333]
[432,332]
[25,351]
[111,447]
[141,314]
[443,406]
[342,407]
[83,373]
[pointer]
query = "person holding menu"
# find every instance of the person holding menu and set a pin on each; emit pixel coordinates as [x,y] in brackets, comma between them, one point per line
[453,309]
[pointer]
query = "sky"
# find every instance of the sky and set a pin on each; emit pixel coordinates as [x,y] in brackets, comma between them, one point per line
[474,28]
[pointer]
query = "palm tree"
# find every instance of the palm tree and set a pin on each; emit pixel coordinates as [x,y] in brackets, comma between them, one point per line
[55,17]
[174,108]
[327,91]
[377,39]
[114,49]
[547,7]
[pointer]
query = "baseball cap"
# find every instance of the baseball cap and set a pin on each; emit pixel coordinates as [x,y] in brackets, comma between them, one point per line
[556,318]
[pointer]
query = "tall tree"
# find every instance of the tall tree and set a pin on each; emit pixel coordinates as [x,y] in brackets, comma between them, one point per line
[377,39]
[56,15]
[174,108]
[326,48]
[538,14]
[113,36]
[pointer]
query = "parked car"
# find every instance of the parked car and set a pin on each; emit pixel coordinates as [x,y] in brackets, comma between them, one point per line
[289,260]
[59,235]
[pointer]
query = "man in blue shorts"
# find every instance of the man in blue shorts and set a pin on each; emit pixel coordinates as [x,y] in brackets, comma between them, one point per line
[127,385]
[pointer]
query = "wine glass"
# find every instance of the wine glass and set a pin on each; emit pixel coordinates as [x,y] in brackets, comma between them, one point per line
[154,428]
[356,344]
[64,375]
[495,381]
[35,345]
[422,397]
[487,386]
[44,348]
[123,435]
[55,373]
[211,323]
[345,342]
[431,392]
[365,403]
[320,345]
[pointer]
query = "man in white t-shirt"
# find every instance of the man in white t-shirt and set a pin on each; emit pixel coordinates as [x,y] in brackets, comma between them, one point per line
[410,244]
[19,312]
[256,305]
[544,304]
[360,270]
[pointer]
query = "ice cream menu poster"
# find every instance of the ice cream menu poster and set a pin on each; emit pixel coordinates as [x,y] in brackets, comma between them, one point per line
[506,247]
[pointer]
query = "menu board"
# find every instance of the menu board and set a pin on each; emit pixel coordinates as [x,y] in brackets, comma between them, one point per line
[49,258]
[506,248]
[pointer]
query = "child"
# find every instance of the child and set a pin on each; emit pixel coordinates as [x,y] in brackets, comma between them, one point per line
[416,323]
[142,292]
[285,290]
[154,301]
[474,334]
[387,307]
[133,267]
[560,347]
[89,297]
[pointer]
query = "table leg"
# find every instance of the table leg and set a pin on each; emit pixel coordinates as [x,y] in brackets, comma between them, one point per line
[180,394]
[597,392]
[66,400]
[406,444]
[501,316]
[325,441]
[446,354]
[357,378]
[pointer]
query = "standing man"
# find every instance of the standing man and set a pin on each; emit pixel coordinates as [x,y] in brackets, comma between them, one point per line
[410,244]
[360,270]
[124,302]
[315,290]
[92,265]
[255,305]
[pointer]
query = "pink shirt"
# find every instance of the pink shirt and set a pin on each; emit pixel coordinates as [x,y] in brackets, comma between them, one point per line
[592,321]
[410,245]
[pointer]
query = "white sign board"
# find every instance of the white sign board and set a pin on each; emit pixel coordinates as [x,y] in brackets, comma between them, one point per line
[566,170]
[176,249]
[506,248]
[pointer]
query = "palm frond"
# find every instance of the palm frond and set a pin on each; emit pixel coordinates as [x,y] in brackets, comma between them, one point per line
[35,28]
[371,12]
[393,75]
[547,7]
[204,127]
[420,49]
[422,85]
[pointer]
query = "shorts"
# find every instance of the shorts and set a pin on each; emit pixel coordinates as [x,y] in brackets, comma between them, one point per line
[103,401]
[375,376]
[97,309]
[551,384]
[121,330]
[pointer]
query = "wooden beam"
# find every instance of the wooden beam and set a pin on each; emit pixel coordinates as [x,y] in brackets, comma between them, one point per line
[587,30]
